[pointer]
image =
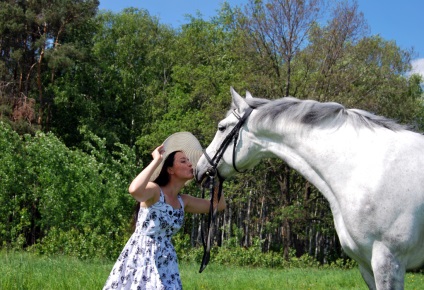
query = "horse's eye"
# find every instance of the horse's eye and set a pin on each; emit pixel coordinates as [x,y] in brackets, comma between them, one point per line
[221,128]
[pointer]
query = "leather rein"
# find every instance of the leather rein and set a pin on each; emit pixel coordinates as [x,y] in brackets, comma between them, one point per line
[215,186]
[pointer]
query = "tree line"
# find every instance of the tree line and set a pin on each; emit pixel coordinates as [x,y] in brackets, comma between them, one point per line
[86,95]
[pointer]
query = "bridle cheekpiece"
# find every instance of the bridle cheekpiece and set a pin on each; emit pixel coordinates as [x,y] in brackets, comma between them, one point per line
[232,136]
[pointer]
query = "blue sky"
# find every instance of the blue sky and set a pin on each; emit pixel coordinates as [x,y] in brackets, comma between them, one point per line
[400,21]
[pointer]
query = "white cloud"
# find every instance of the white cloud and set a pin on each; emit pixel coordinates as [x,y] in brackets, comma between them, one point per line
[418,66]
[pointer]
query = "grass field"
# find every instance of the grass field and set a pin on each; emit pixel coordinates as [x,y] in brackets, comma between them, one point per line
[30,272]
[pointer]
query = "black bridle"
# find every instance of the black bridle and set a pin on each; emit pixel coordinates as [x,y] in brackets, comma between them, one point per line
[212,172]
[233,135]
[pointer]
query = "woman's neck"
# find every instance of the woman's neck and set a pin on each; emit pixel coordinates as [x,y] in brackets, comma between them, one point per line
[172,188]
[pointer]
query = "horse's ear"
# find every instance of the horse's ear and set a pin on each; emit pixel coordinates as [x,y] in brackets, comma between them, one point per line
[238,102]
[248,95]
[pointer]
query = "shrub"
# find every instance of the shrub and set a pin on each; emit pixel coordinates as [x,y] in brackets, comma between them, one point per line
[57,199]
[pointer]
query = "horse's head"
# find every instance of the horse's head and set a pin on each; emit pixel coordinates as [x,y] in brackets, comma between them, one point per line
[230,149]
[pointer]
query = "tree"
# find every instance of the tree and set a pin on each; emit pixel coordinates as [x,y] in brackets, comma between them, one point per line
[129,64]
[34,48]
[203,70]
[275,32]
[324,62]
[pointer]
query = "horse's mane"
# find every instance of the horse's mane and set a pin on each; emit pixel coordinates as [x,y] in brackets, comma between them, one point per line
[313,113]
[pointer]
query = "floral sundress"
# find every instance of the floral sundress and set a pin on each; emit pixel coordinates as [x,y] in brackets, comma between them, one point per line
[149,260]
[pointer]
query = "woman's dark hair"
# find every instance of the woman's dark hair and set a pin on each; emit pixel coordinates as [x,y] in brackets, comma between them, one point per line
[163,177]
[161,180]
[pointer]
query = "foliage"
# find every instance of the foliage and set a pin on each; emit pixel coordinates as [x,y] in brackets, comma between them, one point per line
[128,60]
[203,69]
[231,254]
[37,43]
[59,199]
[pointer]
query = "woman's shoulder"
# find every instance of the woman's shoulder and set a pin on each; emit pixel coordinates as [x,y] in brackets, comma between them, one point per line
[184,197]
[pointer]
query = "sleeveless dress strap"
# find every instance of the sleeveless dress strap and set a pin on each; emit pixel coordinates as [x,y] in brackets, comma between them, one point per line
[180,199]
[162,196]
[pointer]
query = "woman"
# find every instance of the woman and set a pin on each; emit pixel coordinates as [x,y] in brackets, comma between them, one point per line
[148,260]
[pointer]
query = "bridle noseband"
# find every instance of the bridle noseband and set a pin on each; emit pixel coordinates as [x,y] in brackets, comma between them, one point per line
[233,135]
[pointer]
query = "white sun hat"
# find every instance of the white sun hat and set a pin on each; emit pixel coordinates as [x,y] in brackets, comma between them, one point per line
[181,141]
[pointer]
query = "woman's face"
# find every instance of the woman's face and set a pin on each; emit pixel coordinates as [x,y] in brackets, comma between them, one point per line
[182,167]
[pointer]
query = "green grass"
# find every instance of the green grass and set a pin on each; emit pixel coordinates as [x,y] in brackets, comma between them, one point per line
[27,271]
[221,277]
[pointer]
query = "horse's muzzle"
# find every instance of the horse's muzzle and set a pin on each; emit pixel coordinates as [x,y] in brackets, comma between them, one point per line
[204,179]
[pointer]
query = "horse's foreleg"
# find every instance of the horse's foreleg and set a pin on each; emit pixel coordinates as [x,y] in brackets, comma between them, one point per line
[388,271]
[368,277]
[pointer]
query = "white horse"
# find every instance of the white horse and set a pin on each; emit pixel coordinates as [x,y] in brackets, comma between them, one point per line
[369,168]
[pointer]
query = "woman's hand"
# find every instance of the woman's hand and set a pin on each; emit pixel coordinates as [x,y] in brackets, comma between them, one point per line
[157,154]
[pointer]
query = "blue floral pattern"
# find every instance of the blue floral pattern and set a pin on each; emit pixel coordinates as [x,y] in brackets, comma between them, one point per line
[149,260]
